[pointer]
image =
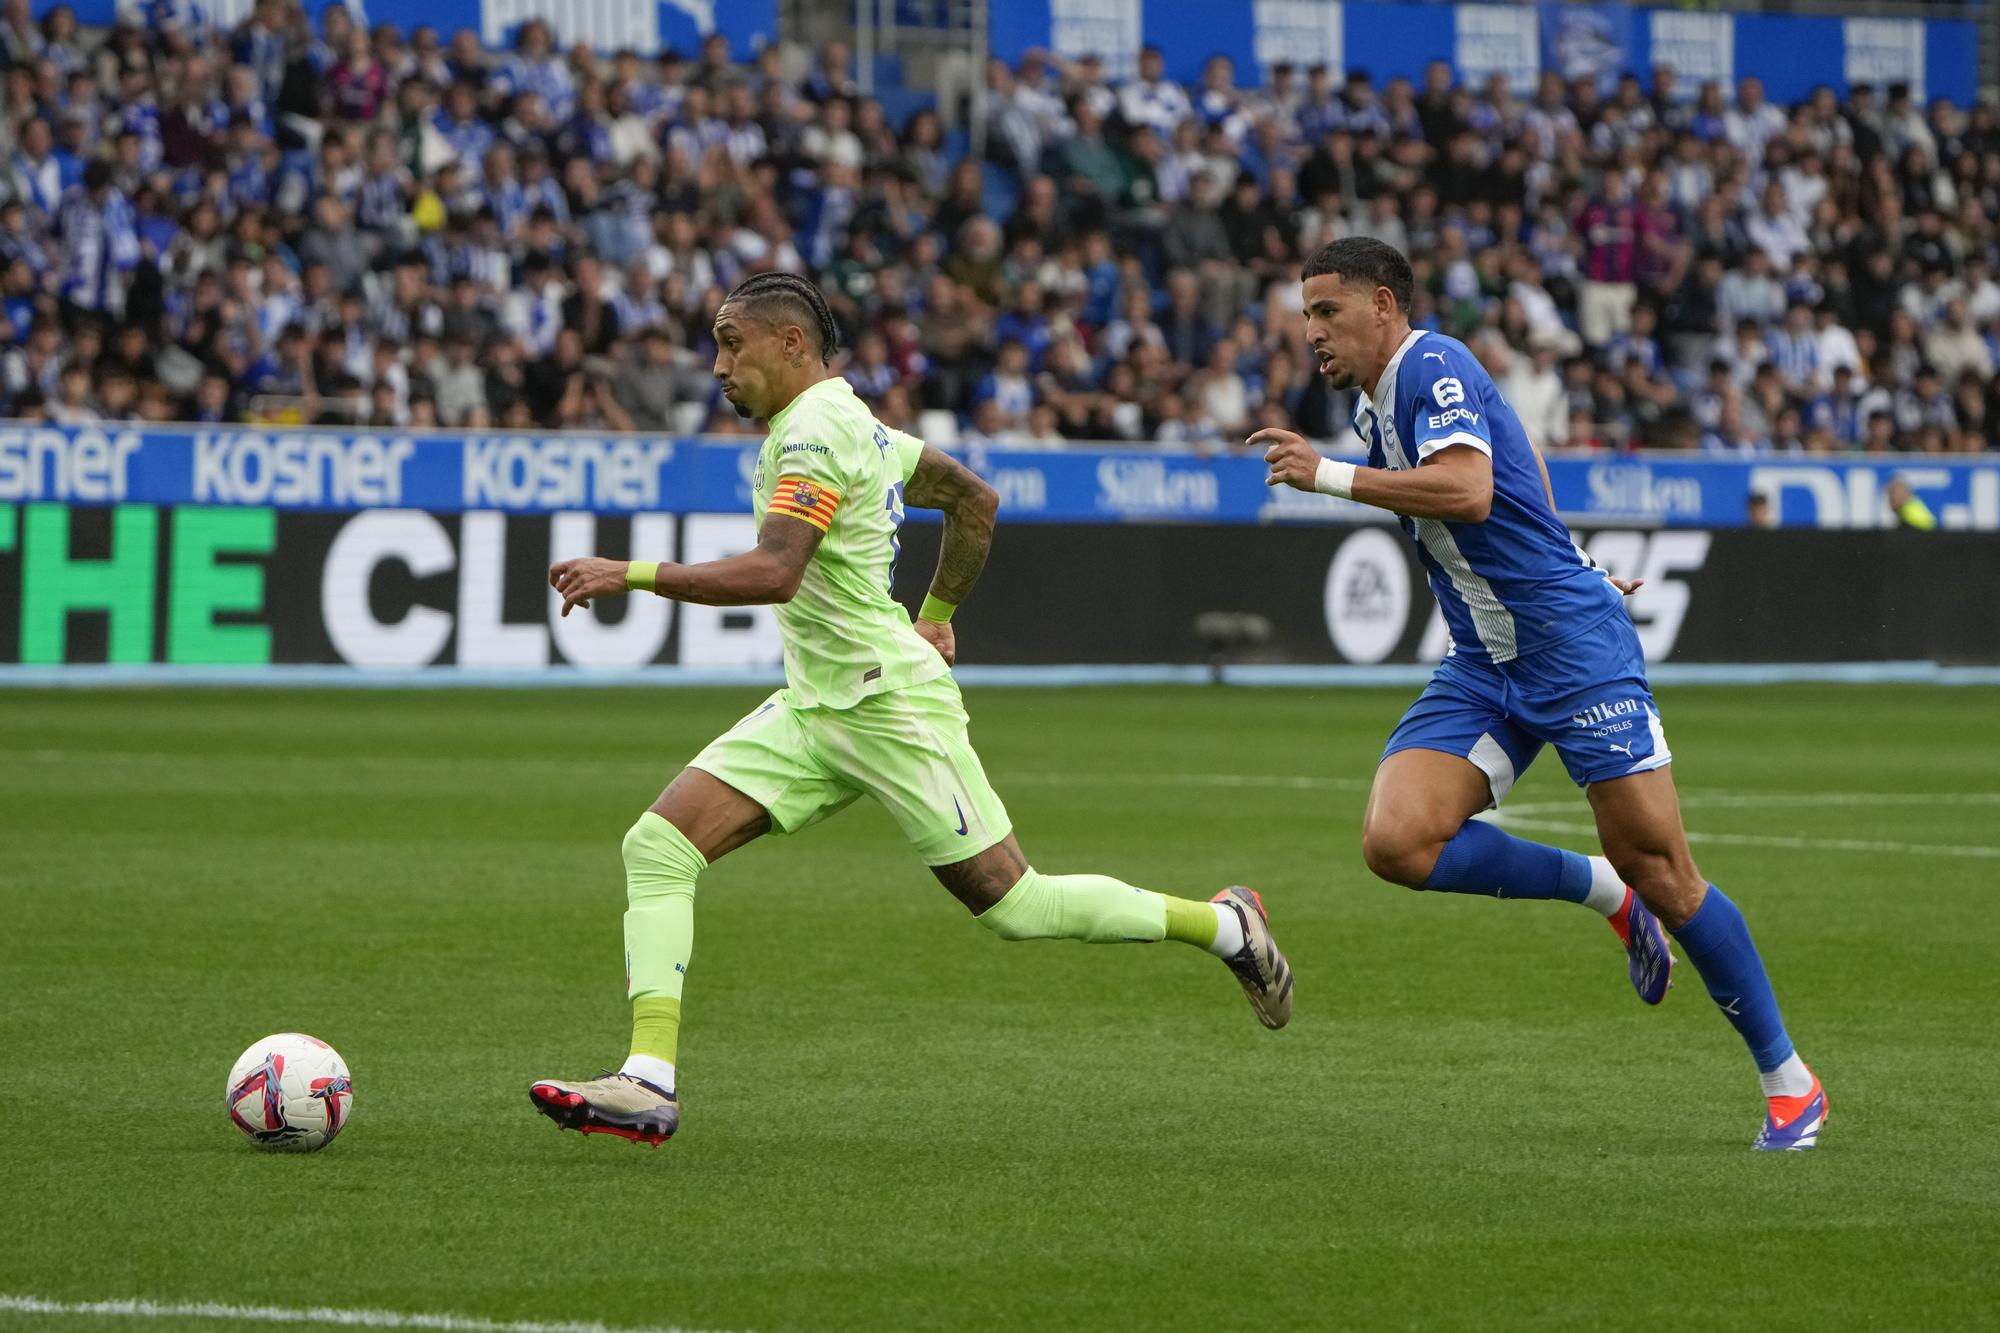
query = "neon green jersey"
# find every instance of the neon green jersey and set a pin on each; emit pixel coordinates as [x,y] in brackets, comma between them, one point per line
[828,462]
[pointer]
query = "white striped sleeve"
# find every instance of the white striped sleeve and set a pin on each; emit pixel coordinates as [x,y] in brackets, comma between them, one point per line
[1428,447]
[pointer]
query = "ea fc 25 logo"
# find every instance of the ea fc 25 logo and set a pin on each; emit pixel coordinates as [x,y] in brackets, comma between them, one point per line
[1368,596]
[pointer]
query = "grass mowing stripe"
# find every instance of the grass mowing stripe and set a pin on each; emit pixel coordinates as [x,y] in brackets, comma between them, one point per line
[273,1314]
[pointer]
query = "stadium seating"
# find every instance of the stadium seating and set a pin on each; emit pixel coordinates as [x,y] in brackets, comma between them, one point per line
[297,220]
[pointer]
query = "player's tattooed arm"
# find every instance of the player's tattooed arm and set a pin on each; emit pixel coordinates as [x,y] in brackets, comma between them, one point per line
[970,507]
[759,577]
[767,573]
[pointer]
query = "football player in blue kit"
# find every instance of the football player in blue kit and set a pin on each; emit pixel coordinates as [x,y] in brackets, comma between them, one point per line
[1541,652]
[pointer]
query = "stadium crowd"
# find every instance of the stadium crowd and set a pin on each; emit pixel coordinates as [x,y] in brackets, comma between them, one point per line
[305,220]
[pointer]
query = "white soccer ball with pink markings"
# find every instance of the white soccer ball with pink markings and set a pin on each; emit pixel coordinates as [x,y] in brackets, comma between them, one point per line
[290,1093]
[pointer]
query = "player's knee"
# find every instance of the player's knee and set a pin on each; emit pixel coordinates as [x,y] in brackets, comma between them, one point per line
[1394,854]
[659,859]
[1029,910]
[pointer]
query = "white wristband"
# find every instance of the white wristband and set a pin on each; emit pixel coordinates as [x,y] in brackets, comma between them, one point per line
[1335,478]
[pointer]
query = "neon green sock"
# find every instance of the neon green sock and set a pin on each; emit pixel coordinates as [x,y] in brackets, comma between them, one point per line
[1191,922]
[656,1027]
[660,870]
[1094,908]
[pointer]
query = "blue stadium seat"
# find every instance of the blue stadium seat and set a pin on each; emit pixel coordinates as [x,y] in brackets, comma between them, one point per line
[999,192]
[899,104]
[955,145]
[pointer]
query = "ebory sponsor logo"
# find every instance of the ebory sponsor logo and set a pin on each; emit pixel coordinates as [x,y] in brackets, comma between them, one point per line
[1443,419]
[564,472]
[1150,486]
[1597,714]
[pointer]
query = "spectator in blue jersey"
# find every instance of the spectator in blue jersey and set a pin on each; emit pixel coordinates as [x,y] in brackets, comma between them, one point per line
[100,245]
[1794,349]
[1152,99]
[35,176]
[1542,653]
[535,67]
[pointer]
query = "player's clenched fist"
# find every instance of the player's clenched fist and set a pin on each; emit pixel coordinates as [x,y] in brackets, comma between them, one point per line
[1293,461]
[941,637]
[592,576]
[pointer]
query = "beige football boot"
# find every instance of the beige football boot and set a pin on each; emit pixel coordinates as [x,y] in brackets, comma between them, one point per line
[1266,976]
[613,1104]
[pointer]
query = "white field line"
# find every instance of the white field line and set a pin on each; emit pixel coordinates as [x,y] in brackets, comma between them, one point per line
[1128,779]
[1527,816]
[273,1314]
[408,763]
[1786,841]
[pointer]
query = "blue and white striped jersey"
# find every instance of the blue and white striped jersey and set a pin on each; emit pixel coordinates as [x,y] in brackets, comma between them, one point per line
[1514,583]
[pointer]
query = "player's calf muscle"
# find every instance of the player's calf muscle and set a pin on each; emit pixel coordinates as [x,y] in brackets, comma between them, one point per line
[983,880]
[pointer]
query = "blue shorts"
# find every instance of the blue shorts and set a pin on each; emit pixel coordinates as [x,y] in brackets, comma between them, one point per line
[1587,697]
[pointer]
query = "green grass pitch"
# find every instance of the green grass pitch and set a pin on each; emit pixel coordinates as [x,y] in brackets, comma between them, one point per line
[895,1121]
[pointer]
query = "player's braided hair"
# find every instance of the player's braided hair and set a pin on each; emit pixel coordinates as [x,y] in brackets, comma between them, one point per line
[775,296]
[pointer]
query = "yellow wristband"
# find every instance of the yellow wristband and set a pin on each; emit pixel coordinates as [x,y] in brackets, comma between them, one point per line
[640,574]
[936,610]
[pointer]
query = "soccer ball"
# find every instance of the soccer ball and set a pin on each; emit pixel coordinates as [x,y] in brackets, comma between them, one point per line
[290,1093]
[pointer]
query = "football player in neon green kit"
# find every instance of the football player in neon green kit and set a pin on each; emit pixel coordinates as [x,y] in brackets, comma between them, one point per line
[869,706]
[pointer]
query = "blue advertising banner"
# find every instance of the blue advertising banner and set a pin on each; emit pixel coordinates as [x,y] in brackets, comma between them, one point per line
[315,470]
[645,26]
[1597,42]
[1792,54]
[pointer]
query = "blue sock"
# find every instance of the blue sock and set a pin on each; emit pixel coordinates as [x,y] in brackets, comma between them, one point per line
[1718,944]
[1483,859]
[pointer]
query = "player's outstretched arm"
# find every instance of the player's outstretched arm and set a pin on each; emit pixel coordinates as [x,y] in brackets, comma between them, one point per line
[1454,484]
[970,507]
[768,573]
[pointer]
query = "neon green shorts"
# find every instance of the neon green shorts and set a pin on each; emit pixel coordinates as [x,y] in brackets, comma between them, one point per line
[907,748]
